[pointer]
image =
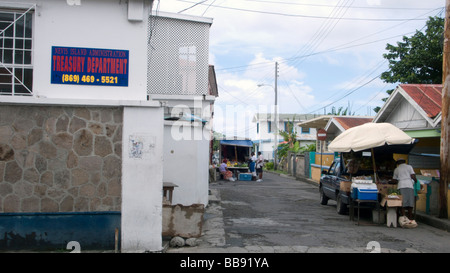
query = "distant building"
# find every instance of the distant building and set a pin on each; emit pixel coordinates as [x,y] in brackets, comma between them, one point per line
[265,131]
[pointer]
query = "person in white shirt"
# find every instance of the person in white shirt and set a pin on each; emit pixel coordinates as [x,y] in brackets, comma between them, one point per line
[405,176]
[259,166]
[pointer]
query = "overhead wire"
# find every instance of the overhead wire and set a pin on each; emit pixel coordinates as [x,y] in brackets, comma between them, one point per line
[264,65]
[324,30]
[346,95]
[362,78]
[195,4]
[383,89]
[321,34]
[295,15]
[333,49]
[325,5]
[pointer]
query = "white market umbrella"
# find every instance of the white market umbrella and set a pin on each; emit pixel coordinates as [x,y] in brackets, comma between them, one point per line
[368,136]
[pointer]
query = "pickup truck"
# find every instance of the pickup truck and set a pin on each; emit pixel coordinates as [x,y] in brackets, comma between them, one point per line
[330,187]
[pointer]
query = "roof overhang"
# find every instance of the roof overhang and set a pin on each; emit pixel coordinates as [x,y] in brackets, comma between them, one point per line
[392,103]
[319,122]
[185,17]
[424,133]
[241,143]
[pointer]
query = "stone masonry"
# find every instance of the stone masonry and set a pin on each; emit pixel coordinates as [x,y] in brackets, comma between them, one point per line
[60,158]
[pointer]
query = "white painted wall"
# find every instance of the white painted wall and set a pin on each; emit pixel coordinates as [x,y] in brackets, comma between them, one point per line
[186,150]
[93,24]
[406,117]
[142,180]
[186,162]
[105,24]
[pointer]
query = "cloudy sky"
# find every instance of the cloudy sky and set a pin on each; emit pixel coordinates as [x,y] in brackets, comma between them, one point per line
[329,53]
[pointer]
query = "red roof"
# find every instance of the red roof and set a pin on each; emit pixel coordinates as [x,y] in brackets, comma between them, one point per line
[349,122]
[427,96]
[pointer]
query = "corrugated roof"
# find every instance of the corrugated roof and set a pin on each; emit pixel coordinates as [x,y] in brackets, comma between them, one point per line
[349,122]
[427,96]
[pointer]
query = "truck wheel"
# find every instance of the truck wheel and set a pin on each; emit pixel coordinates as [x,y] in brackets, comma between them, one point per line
[341,207]
[323,197]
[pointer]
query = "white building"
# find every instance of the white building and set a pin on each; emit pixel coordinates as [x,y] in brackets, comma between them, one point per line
[182,87]
[265,131]
[108,70]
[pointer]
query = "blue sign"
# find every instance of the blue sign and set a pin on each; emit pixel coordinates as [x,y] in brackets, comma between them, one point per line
[89,66]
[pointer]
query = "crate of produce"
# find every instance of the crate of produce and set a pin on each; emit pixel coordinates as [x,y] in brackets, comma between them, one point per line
[245,176]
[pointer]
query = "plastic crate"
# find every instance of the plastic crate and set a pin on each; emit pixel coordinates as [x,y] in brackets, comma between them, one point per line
[245,176]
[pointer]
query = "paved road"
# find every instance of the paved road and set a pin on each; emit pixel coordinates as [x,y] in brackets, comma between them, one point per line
[281,214]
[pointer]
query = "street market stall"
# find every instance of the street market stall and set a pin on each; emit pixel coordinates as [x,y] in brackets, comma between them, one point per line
[368,154]
[237,153]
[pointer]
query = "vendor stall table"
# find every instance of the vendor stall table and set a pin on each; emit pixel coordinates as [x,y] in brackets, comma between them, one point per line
[358,203]
[236,170]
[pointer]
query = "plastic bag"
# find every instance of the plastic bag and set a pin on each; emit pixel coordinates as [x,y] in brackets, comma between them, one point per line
[406,223]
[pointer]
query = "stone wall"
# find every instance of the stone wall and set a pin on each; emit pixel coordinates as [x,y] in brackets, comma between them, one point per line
[60,158]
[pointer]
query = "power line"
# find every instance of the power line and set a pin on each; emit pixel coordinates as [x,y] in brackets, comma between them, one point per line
[324,30]
[373,97]
[340,47]
[324,5]
[346,95]
[301,15]
[196,4]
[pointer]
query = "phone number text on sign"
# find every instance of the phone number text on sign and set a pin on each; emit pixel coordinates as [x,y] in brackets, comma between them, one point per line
[89,66]
[75,78]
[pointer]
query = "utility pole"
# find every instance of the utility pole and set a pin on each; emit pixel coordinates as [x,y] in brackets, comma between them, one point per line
[445,120]
[275,146]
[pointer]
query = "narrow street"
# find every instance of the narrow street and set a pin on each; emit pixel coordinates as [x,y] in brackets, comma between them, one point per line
[281,211]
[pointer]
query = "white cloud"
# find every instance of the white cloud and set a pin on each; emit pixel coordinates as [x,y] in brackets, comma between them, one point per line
[346,53]
[374,2]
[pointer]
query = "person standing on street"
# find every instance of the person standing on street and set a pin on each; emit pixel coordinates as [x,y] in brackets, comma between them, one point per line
[259,166]
[252,164]
[405,176]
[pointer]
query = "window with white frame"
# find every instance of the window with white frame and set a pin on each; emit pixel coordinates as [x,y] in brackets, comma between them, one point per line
[16,64]
[305,130]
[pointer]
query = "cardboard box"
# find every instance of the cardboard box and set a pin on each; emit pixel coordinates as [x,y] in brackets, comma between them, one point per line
[346,186]
[383,189]
[391,202]
[429,172]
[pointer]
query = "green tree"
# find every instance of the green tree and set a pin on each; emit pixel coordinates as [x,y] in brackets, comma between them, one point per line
[291,144]
[290,139]
[341,111]
[216,140]
[416,59]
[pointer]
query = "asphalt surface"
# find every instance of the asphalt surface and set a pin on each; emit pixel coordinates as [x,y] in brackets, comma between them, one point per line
[284,215]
